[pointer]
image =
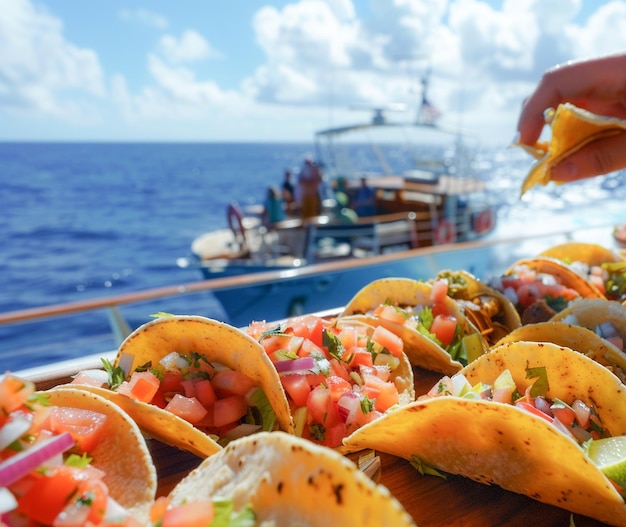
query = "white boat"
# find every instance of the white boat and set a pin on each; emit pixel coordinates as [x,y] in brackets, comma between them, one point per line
[432,201]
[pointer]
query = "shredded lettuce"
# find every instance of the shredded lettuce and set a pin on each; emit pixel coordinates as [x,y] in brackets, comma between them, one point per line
[261,402]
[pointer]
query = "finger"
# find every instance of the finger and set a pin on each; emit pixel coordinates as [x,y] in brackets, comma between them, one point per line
[598,157]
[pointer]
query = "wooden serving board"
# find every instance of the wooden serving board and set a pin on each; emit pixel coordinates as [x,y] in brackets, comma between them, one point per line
[431,500]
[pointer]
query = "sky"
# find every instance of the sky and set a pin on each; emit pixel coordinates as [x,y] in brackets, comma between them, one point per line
[279,70]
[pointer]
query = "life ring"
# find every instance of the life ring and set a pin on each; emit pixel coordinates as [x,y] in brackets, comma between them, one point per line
[235,222]
[484,221]
[444,232]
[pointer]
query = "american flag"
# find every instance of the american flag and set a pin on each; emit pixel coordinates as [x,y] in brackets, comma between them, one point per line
[428,113]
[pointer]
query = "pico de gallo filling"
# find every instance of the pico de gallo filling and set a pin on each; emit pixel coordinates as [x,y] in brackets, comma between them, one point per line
[218,512]
[609,278]
[576,419]
[537,296]
[437,323]
[337,376]
[46,472]
[217,400]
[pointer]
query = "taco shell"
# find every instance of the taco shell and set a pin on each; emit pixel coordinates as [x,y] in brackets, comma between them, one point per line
[496,443]
[591,254]
[573,336]
[572,129]
[218,342]
[593,312]
[291,481]
[405,292]
[487,309]
[122,454]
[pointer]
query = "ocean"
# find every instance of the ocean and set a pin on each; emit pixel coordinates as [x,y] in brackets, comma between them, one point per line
[86,220]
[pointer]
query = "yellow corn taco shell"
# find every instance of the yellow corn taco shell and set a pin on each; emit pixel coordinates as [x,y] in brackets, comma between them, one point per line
[496,443]
[217,342]
[572,128]
[592,313]
[588,253]
[488,310]
[404,292]
[122,454]
[576,337]
[290,481]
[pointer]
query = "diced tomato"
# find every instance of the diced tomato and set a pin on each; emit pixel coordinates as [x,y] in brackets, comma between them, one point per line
[274,343]
[390,313]
[339,369]
[389,340]
[309,347]
[564,414]
[444,327]
[205,392]
[334,435]
[141,387]
[187,408]
[443,387]
[388,393]
[159,400]
[361,358]
[171,382]
[531,409]
[85,426]
[337,386]
[52,492]
[315,379]
[439,291]
[317,404]
[229,410]
[190,514]
[14,392]
[297,387]
[231,382]
[348,337]
[310,327]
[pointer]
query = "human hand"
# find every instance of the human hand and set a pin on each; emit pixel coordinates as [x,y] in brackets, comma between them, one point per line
[597,85]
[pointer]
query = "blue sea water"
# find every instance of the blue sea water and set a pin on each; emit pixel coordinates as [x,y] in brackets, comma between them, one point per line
[85,220]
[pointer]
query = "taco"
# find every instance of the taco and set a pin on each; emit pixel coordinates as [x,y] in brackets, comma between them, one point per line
[436,333]
[488,310]
[602,267]
[71,453]
[195,383]
[607,319]
[569,333]
[572,128]
[541,287]
[529,417]
[279,479]
[338,374]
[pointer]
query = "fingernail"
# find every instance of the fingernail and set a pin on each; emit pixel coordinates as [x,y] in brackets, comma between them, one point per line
[565,171]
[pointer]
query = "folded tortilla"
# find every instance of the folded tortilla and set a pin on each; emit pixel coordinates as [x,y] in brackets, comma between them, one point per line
[122,454]
[421,350]
[287,480]
[576,337]
[589,253]
[217,342]
[497,443]
[572,129]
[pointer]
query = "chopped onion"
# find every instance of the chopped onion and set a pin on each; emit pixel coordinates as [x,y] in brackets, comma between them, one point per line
[16,426]
[244,429]
[347,406]
[301,365]
[17,466]
[7,501]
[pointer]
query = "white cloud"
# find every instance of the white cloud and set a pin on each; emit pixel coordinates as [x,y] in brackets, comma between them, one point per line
[190,47]
[145,16]
[40,71]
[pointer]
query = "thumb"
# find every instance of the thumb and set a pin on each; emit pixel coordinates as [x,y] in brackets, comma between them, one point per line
[596,158]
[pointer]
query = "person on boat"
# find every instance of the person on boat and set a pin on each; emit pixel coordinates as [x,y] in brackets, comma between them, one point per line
[342,213]
[288,192]
[597,85]
[309,181]
[365,200]
[274,206]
